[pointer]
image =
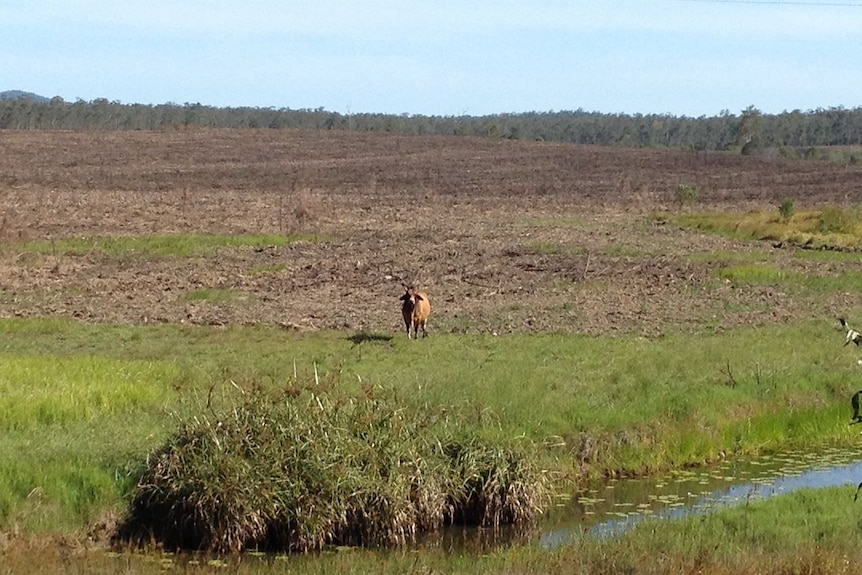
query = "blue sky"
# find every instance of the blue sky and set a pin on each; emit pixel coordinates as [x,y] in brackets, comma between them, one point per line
[441,57]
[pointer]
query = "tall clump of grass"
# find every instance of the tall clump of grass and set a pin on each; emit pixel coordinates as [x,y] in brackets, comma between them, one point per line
[310,467]
[496,485]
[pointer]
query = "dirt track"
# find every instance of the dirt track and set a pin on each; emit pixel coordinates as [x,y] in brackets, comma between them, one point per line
[505,236]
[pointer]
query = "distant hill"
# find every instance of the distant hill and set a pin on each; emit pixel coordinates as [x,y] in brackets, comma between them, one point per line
[21,95]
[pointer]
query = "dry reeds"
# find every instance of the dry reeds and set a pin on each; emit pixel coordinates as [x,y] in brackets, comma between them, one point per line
[308,469]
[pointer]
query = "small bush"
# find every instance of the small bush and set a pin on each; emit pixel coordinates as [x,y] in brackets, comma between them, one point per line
[785,208]
[836,221]
[686,194]
[306,469]
[788,152]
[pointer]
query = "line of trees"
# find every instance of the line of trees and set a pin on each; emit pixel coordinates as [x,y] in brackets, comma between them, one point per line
[749,131]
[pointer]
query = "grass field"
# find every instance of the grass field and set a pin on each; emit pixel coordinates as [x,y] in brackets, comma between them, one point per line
[83,404]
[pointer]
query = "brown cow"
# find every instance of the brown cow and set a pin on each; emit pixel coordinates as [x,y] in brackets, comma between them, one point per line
[415,309]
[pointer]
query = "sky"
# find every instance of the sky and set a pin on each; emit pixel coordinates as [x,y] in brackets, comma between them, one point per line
[441,57]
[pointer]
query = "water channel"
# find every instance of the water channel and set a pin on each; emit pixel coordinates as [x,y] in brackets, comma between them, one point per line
[612,508]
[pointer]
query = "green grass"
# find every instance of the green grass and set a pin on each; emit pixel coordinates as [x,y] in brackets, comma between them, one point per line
[828,256]
[72,429]
[729,257]
[155,246]
[549,248]
[217,295]
[806,531]
[757,274]
[36,393]
[827,228]
[626,394]
[558,223]
[83,404]
[768,275]
[627,252]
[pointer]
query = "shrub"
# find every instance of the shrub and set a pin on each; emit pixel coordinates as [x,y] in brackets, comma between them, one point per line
[686,194]
[306,469]
[836,221]
[785,208]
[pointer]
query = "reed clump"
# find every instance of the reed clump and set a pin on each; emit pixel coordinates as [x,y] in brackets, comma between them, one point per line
[310,467]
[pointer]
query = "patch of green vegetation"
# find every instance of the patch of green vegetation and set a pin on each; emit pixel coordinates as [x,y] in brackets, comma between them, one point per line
[827,255]
[557,223]
[562,285]
[625,251]
[732,307]
[726,257]
[73,430]
[548,248]
[217,295]
[786,208]
[830,227]
[766,275]
[686,194]
[838,221]
[36,393]
[543,248]
[563,308]
[759,275]
[157,246]
[846,281]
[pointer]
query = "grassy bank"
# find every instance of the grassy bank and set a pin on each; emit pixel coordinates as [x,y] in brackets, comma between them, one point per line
[809,531]
[85,403]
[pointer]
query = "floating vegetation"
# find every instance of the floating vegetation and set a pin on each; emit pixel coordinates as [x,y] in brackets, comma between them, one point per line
[701,491]
[307,469]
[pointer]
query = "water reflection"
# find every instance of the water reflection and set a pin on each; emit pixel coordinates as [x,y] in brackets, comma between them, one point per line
[612,508]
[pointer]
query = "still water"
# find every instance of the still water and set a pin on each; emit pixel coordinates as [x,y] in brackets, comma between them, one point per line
[611,508]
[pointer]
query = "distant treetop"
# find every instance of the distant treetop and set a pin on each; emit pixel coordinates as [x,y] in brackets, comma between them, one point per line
[748,132]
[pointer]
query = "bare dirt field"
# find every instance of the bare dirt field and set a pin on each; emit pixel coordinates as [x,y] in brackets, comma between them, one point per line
[505,236]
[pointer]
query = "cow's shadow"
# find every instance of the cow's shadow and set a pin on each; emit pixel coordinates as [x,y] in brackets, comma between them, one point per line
[365,337]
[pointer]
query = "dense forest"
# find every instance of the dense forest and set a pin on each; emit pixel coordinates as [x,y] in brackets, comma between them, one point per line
[750,131]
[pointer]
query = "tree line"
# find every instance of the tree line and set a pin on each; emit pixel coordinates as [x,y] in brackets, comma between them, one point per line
[750,131]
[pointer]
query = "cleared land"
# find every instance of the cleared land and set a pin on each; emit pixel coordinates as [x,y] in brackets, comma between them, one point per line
[505,236]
